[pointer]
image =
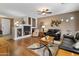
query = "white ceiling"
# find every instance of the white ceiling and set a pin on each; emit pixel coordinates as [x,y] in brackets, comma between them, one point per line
[29,9]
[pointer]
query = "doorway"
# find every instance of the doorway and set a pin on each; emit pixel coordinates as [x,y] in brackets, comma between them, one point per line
[5,26]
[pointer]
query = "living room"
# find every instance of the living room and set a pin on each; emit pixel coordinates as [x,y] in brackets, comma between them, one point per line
[37,29]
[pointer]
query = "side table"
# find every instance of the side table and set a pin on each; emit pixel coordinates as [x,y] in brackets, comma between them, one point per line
[41,34]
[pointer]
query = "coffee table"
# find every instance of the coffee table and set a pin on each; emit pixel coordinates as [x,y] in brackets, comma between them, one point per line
[43,48]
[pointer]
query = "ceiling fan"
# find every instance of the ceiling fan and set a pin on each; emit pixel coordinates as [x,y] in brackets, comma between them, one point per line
[44,11]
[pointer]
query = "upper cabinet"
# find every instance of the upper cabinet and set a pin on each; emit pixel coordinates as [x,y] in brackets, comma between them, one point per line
[26,20]
[29,21]
[32,22]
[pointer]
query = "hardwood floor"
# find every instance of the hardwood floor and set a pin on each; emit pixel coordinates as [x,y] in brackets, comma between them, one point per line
[62,52]
[19,48]
[5,46]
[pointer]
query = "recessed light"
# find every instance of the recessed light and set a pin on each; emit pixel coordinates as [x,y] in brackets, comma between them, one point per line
[67,20]
[62,20]
[71,18]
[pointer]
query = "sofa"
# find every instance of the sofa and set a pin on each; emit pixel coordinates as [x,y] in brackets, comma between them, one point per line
[70,42]
[56,33]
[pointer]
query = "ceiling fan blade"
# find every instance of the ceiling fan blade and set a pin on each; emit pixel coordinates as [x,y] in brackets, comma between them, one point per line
[44,11]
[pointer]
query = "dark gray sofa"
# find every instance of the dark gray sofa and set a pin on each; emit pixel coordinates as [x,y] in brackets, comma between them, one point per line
[54,32]
[68,43]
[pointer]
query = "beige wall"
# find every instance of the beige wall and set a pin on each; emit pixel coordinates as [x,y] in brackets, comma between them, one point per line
[72,26]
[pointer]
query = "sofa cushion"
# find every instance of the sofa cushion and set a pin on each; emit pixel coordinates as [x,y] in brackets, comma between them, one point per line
[69,37]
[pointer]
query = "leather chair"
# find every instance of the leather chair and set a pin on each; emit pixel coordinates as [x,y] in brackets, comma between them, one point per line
[55,33]
[69,37]
[77,36]
[35,33]
[72,37]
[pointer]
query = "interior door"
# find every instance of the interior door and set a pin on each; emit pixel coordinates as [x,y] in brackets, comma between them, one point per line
[5,26]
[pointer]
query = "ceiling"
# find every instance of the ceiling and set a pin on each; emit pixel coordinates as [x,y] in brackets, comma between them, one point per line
[30,9]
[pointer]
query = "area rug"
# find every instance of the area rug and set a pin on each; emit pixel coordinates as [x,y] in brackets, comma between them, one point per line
[42,51]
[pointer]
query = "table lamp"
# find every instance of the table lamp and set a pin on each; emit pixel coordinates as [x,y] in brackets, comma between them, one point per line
[43,27]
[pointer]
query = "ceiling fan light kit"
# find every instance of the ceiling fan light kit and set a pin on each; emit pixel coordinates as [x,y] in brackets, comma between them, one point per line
[44,11]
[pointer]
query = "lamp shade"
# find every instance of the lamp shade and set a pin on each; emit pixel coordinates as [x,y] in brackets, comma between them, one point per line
[43,26]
